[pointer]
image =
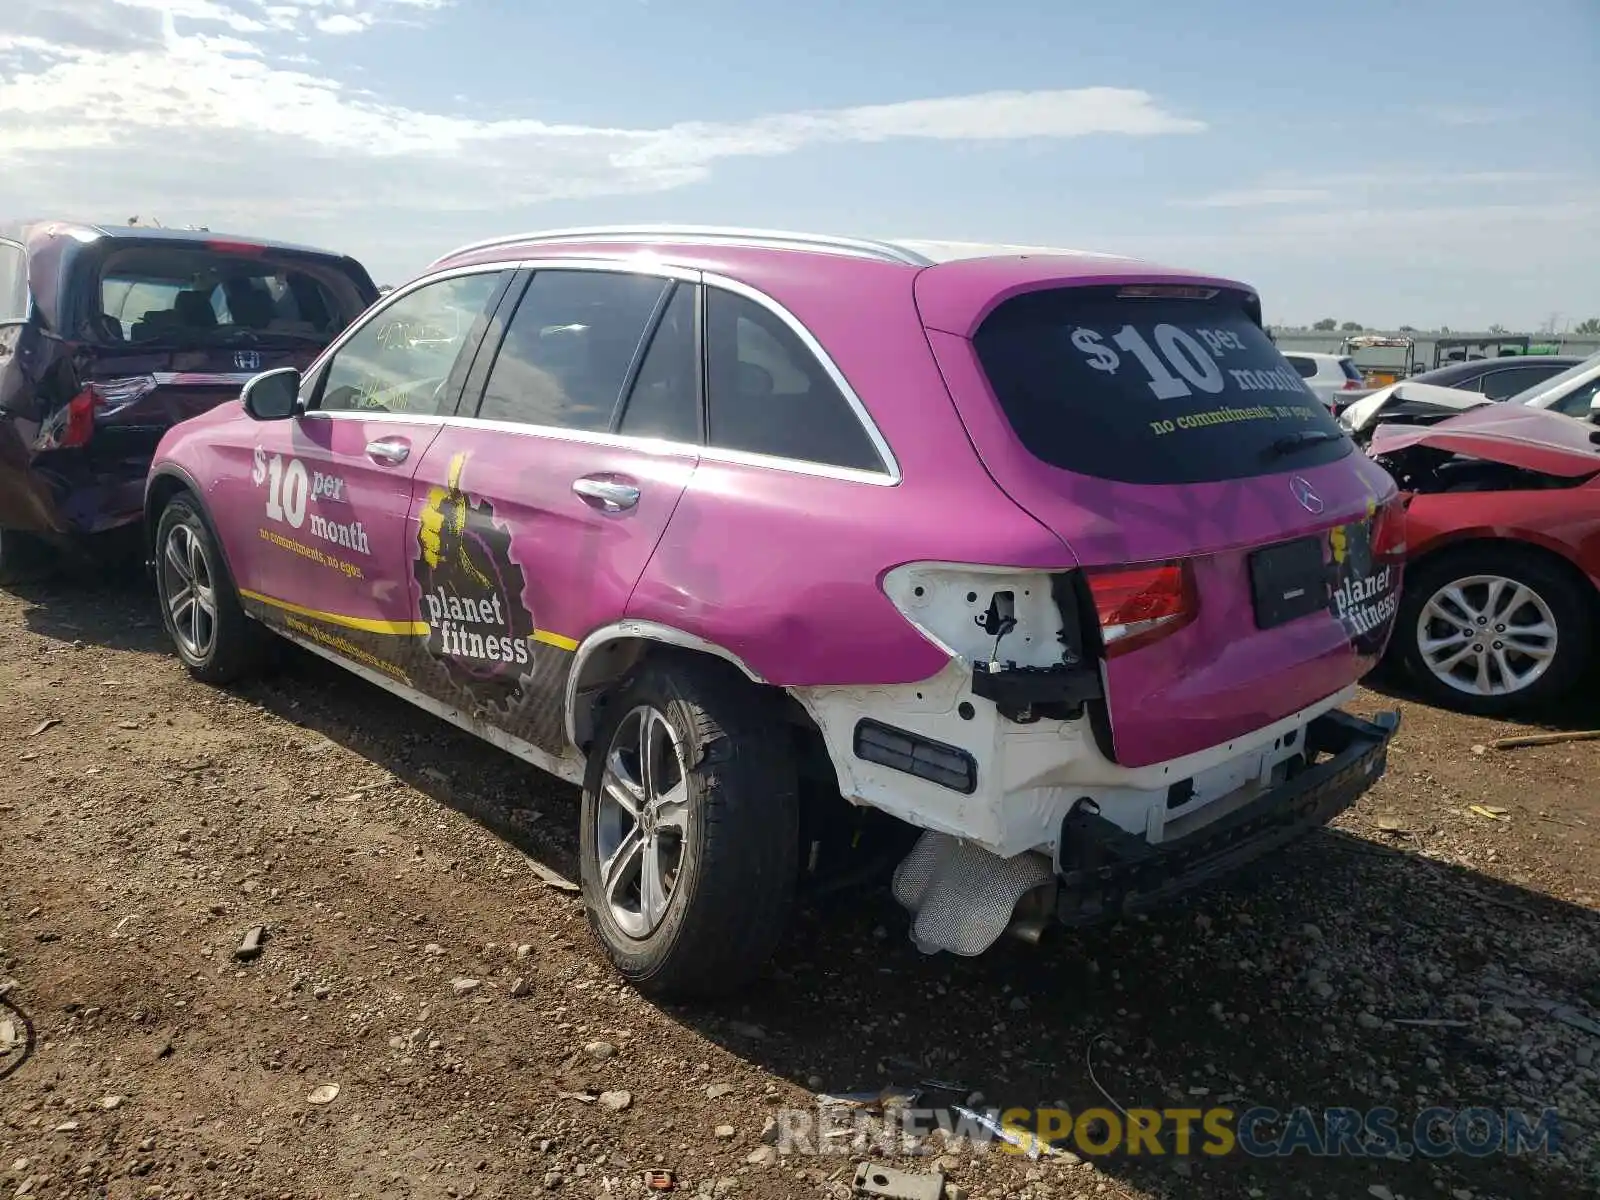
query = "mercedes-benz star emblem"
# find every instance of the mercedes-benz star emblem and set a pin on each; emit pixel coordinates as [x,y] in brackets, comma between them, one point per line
[1306,494]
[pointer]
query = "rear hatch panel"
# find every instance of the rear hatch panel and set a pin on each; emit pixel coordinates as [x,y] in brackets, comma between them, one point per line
[145,334]
[1165,455]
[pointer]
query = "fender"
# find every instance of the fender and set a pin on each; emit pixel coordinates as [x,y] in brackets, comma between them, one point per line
[151,517]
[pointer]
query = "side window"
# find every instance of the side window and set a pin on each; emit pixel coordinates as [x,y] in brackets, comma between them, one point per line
[1576,402]
[13,282]
[1497,385]
[665,399]
[767,394]
[568,348]
[1307,367]
[400,360]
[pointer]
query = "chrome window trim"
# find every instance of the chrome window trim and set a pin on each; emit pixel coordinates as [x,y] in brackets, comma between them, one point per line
[619,441]
[707,235]
[889,476]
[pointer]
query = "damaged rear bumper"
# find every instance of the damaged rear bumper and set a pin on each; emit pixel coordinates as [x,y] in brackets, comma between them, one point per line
[1104,872]
[27,501]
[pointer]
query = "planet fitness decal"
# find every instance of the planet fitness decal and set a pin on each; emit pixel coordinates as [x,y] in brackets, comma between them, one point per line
[471,593]
[1365,595]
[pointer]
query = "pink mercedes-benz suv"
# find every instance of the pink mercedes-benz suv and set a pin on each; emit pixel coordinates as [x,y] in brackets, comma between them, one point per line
[1036,575]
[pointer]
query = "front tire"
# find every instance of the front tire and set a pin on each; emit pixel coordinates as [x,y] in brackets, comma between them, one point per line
[1494,630]
[200,608]
[689,832]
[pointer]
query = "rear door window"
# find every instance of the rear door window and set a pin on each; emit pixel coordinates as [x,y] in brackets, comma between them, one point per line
[1151,389]
[1307,367]
[665,399]
[1499,385]
[13,282]
[569,348]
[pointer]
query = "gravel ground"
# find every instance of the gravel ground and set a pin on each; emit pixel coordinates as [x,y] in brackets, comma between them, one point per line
[480,1046]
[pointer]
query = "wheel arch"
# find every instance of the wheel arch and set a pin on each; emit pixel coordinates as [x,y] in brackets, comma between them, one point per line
[166,483]
[610,654]
[1543,549]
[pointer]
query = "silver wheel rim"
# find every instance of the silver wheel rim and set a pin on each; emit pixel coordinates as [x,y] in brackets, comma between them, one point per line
[1487,635]
[642,821]
[186,582]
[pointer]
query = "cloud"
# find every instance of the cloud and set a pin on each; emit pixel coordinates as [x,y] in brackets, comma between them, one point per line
[1396,186]
[1257,198]
[344,23]
[200,108]
[1462,114]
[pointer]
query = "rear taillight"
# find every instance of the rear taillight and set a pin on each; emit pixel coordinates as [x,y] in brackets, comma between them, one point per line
[1389,532]
[1352,385]
[73,425]
[1139,605]
[80,419]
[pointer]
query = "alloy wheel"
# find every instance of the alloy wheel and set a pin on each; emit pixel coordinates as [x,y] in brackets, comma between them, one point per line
[1487,635]
[187,583]
[642,820]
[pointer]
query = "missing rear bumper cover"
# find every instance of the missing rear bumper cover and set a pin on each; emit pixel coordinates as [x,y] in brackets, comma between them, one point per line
[1105,871]
[900,750]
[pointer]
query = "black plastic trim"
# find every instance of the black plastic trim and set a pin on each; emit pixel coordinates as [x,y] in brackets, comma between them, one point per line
[1106,872]
[912,752]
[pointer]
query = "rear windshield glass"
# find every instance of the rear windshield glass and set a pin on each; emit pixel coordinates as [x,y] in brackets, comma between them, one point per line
[198,295]
[1151,390]
[1349,369]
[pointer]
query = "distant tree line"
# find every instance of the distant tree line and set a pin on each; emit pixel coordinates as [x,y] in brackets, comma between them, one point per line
[1588,328]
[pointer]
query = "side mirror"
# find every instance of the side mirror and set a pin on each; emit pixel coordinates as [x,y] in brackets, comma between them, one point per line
[273,395]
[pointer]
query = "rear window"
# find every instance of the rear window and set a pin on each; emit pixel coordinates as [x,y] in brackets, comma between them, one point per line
[1150,389]
[199,295]
[1349,369]
[13,282]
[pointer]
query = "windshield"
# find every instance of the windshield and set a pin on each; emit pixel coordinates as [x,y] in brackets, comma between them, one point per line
[203,295]
[1151,389]
[1556,383]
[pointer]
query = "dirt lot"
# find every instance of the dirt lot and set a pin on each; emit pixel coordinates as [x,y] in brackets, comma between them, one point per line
[146,822]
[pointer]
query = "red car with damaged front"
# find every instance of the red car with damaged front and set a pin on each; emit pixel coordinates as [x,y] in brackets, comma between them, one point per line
[1501,596]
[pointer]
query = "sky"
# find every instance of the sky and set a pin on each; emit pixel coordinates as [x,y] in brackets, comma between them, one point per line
[1433,163]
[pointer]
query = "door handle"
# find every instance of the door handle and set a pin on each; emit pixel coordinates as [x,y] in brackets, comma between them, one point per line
[389,450]
[606,494]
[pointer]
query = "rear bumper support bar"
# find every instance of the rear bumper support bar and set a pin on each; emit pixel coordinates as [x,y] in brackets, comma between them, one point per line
[1105,872]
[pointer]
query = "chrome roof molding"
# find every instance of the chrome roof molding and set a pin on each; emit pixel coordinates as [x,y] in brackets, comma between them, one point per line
[719,235]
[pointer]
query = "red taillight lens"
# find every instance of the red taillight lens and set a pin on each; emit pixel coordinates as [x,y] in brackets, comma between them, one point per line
[1389,531]
[1352,385]
[1138,605]
[80,419]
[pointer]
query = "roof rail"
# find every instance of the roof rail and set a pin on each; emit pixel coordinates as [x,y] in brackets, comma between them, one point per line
[709,234]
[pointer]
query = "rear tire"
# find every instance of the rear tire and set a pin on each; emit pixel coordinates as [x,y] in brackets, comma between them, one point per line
[1529,594]
[24,558]
[200,607]
[722,836]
